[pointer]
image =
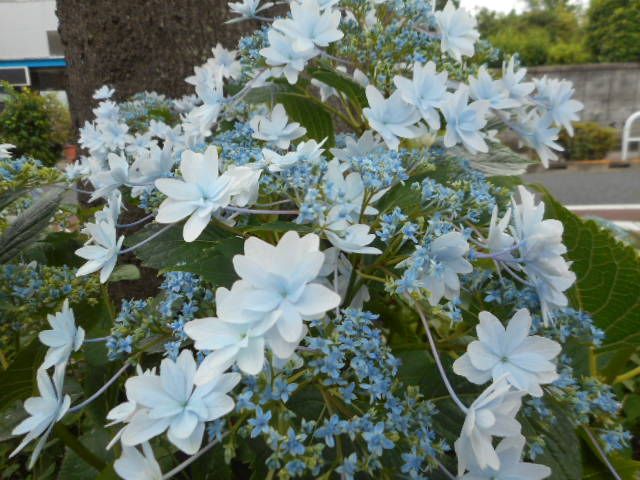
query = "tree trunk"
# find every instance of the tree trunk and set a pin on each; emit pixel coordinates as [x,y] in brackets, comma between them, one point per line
[137,45]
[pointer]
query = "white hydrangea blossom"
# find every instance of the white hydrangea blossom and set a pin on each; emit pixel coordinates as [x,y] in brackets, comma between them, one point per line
[45,411]
[527,361]
[458,31]
[63,339]
[393,118]
[276,128]
[171,402]
[426,91]
[492,414]
[310,27]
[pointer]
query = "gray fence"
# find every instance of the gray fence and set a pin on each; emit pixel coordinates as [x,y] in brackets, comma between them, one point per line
[609,91]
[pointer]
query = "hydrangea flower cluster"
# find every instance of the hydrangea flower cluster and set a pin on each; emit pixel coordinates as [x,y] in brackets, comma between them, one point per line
[331,252]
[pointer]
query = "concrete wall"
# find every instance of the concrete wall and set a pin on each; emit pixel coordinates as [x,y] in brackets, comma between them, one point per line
[610,92]
[23,28]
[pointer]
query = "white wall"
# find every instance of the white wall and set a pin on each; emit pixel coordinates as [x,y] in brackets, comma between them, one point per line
[23,28]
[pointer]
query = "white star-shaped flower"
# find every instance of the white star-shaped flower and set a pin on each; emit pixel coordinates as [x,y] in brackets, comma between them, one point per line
[103,254]
[235,336]
[103,93]
[309,152]
[363,146]
[283,58]
[247,9]
[225,62]
[282,277]
[556,97]
[136,465]
[526,360]
[458,31]
[152,163]
[348,192]
[492,414]
[5,150]
[483,87]
[512,82]
[465,121]
[202,191]
[44,411]
[63,338]
[392,117]
[426,91]
[351,237]
[440,279]
[538,132]
[512,467]
[309,26]
[500,243]
[276,128]
[106,181]
[541,249]
[171,402]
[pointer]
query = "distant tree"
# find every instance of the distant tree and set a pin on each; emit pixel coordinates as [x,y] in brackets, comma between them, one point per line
[549,31]
[134,44]
[613,30]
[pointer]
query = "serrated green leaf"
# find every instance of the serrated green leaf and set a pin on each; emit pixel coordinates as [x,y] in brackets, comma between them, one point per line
[209,256]
[608,276]
[562,452]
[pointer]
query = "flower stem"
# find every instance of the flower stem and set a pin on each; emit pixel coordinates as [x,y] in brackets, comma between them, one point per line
[137,222]
[601,453]
[193,458]
[96,340]
[436,357]
[262,212]
[102,389]
[631,374]
[148,239]
[70,440]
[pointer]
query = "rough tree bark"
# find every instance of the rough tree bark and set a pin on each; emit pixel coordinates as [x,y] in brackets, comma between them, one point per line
[136,45]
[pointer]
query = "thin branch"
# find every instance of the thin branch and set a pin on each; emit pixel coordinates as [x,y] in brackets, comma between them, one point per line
[148,239]
[436,356]
[193,458]
[102,389]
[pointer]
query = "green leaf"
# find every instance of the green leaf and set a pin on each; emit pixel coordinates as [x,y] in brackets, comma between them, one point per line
[353,90]
[608,276]
[500,160]
[125,272]
[301,108]
[562,452]
[26,228]
[277,226]
[209,256]
[18,381]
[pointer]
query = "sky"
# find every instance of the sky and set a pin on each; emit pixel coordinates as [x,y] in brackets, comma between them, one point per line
[500,5]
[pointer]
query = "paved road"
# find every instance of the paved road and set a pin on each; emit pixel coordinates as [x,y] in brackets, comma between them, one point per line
[606,186]
[613,194]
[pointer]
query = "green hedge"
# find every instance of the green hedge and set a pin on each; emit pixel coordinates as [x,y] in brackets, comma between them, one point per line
[590,141]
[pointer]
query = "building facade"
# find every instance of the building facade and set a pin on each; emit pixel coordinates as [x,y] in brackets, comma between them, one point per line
[31,53]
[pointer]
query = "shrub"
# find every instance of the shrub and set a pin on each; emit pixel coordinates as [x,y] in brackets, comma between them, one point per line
[37,125]
[567,53]
[590,142]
